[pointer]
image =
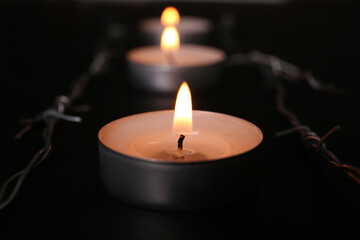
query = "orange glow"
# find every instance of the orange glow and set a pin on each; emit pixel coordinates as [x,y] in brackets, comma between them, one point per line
[183,111]
[170,40]
[170,16]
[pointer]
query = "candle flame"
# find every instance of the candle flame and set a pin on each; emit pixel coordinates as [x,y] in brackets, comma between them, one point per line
[183,111]
[170,16]
[170,40]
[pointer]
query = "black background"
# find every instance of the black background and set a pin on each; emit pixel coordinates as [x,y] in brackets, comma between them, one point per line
[46,45]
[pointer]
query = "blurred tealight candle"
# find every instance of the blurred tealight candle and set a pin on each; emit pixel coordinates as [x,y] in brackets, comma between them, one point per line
[163,67]
[191,28]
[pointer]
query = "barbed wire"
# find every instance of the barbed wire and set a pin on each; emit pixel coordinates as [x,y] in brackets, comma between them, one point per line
[281,69]
[111,46]
[50,117]
[311,140]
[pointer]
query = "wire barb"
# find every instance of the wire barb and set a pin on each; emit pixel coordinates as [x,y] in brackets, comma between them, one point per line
[54,112]
[50,117]
[98,66]
[283,70]
[310,139]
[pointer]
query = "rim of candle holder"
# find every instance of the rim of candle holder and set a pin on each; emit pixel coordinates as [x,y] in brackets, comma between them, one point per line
[169,67]
[221,58]
[165,78]
[243,155]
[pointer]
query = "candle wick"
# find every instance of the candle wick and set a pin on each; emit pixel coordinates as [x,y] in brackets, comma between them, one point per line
[180,146]
[170,58]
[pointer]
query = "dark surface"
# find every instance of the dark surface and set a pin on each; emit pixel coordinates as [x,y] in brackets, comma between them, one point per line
[45,46]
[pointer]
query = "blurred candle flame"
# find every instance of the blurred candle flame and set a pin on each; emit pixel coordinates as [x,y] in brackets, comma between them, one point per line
[170,40]
[183,111]
[170,16]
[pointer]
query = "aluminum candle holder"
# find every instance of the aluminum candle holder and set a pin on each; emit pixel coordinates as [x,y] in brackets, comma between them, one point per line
[138,164]
[162,68]
[199,65]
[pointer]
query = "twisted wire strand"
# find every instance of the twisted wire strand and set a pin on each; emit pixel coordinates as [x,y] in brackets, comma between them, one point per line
[50,117]
[21,175]
[111,47]
[283,70]
[311,140]
[280,67]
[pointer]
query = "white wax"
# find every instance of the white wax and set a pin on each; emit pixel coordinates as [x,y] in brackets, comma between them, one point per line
[149,136]
[188,55]
[188,25]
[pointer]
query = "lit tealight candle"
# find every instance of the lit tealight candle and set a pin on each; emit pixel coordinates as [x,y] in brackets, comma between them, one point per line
[141,163]
[192,29]
[163,68]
